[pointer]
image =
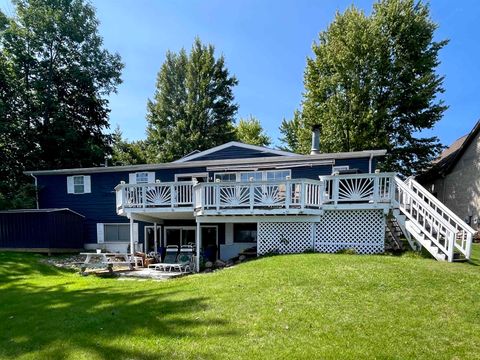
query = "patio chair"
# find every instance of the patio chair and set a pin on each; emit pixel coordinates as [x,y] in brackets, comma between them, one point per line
[183,262]
[171,253]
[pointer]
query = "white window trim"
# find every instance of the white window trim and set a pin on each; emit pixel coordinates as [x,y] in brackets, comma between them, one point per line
[132,177]
[340,167]
[201,174]
[101,233]
[87,184]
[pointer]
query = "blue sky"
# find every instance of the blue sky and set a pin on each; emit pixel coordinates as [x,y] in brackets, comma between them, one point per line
[265,44]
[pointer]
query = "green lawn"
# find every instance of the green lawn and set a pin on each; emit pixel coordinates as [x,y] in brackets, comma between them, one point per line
[284,307]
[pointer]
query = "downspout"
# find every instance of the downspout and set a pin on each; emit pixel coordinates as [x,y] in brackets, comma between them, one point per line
[36,190]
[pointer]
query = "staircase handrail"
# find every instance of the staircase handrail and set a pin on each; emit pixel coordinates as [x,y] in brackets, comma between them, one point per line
[399,182]
[456,219]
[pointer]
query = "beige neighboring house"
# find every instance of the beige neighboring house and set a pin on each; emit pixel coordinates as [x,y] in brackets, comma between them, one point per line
[454,177]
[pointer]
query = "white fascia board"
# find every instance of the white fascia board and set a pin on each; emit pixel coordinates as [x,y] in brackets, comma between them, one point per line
[237,144]
[252,162]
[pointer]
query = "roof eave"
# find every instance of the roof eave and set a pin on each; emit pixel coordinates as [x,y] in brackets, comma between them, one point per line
[204,163]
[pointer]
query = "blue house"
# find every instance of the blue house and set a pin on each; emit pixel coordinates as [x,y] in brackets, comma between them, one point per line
[236,196]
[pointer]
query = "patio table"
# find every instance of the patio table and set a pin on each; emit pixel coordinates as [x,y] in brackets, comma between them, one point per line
[108,260]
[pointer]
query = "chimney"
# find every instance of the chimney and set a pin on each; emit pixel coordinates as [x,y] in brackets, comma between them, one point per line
[315,140]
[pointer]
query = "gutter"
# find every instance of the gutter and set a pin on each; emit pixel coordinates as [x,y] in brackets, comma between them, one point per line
[36,190]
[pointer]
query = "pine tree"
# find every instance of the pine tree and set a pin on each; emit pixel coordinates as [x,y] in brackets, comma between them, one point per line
[193,106]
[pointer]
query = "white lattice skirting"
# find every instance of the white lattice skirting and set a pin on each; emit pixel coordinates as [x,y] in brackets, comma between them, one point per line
[362,230]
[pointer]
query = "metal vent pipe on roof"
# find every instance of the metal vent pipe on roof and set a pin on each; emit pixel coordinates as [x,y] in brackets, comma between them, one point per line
[315,140]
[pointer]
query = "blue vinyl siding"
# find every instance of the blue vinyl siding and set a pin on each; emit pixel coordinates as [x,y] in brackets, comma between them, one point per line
[97,206]
[234,152]
[361,164]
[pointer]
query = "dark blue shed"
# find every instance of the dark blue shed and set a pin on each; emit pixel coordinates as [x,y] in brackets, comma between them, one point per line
[41,230]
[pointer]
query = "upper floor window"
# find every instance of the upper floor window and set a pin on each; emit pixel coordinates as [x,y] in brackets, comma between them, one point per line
[142,177]
[269,175]
[340,168]
[277,175]
[226,177]
[78,184]
[251,176]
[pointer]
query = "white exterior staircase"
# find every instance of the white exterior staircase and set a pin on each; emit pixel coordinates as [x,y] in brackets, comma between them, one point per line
[428,223]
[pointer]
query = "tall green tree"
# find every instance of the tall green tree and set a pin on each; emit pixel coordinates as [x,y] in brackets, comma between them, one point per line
[193,106]
[250,131]
[58,77]
[126,152]
[373,83]
[295,135]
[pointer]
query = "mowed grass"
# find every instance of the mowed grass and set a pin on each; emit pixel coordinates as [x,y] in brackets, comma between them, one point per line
[284,307]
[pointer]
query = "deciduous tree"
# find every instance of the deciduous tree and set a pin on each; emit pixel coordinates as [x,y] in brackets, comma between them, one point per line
[250,131]
[372,83]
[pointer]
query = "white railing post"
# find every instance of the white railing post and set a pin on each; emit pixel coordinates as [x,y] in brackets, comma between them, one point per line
[288,194]
[376,188]
[451,246]
[144,196]
[321,188]
[251,197]
[173,196]
[217,196]
[468,245]
[335,187]
[302,195]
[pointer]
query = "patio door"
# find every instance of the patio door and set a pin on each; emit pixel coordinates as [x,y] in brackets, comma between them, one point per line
[179,235]
[150,238]
[186,235]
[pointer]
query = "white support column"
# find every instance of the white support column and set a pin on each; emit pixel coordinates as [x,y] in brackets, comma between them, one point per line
[155,237]
[198,241]
[132,235]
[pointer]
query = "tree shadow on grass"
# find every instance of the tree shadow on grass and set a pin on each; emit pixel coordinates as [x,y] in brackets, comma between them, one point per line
[102,317]
[15,266]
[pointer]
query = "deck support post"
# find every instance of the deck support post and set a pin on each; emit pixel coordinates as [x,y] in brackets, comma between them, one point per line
[198,245]
[155,238]
[132,249]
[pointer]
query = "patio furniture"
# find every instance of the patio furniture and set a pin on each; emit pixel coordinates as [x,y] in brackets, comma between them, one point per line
[107,261]
[171,253]
[183,262]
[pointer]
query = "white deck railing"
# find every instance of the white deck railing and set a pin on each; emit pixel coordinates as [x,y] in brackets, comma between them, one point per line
[463,232]
[283,194]
[155,195]
[358,188]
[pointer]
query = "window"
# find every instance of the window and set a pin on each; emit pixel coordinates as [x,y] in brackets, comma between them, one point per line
[226,177]
[116,232]
[141,178]
[270,175]
[277,175]
[340,168]
[254,175]
[200,177]
[245,233]
[78,184]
